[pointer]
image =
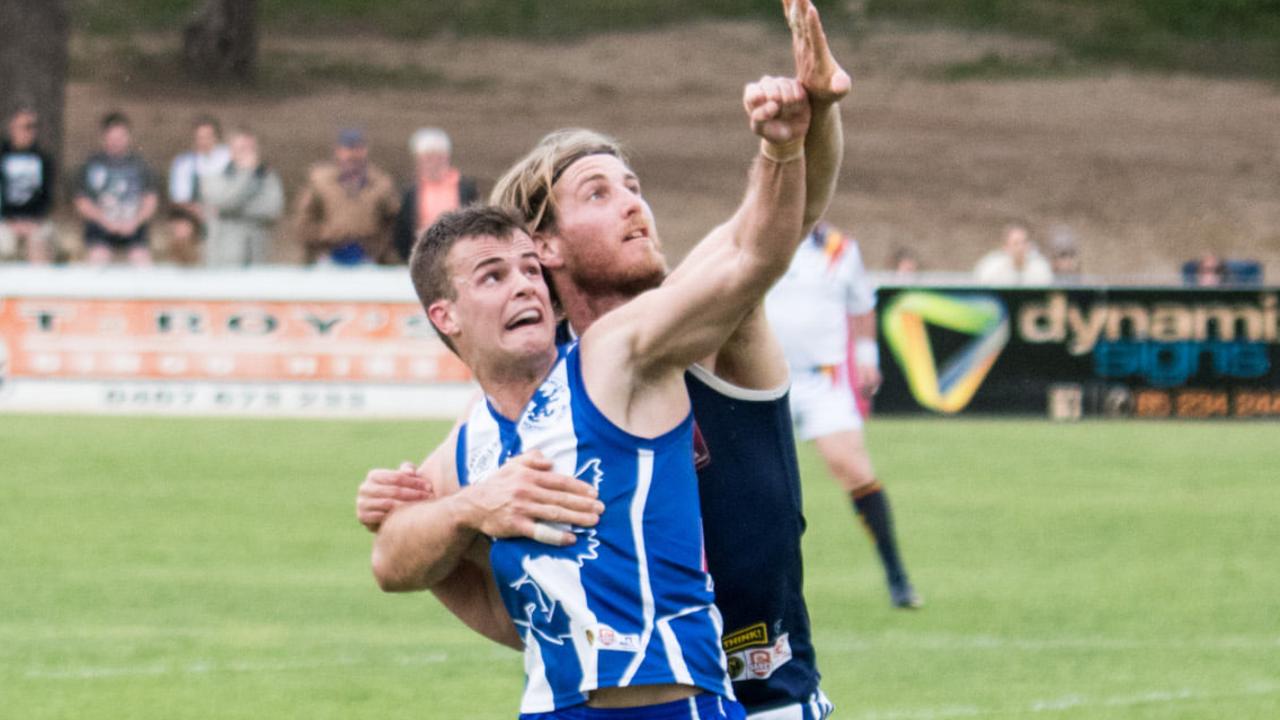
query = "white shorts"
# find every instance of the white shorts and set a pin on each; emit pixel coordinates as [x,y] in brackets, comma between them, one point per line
[822,403]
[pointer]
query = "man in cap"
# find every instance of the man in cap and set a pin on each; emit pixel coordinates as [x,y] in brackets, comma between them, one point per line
[347,208]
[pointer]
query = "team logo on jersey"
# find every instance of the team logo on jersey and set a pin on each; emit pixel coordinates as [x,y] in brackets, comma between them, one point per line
[833,248]
[552,579]
[547,402]
[949,389]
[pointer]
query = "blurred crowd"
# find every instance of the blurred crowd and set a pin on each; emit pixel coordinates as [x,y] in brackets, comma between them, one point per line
[223,205]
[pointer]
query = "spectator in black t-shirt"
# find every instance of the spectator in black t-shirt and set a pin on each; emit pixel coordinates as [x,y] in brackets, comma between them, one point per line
[116,197]
[26,192]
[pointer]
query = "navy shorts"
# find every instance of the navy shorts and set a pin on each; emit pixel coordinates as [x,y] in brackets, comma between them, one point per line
[95,234]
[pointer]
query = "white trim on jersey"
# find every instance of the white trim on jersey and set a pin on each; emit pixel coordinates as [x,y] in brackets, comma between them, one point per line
[728,389]
[537,689]
[644,479]
[675,656]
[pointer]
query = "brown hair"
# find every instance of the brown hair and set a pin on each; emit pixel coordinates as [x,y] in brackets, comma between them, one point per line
[428,262]
[526,186]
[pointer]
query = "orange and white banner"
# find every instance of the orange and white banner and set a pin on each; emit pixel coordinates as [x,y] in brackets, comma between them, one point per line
[275,341]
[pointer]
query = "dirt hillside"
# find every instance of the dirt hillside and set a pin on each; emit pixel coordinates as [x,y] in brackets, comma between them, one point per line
[1145,169]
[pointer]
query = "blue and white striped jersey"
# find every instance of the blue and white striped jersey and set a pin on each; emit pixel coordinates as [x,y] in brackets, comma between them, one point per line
[630,603]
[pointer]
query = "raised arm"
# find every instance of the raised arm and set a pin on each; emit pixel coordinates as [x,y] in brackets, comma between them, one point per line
[751,357]
[692,313]
[826,83]
[654,337]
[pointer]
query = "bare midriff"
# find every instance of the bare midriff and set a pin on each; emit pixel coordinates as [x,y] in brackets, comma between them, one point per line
[639,695]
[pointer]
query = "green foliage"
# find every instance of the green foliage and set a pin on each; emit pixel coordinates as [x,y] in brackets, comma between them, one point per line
[1219,36]
[184,569]
[529,18]
[994,66]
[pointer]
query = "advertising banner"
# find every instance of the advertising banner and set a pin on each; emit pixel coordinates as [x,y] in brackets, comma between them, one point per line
[1074,352]
[282,342]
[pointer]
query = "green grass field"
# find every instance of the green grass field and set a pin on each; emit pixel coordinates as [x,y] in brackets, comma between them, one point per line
[162,568]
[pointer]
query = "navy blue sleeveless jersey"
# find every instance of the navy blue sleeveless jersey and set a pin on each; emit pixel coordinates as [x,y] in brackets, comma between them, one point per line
[749,487]
[630,602]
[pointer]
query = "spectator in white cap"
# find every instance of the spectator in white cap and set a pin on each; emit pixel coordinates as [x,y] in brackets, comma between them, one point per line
[437,187]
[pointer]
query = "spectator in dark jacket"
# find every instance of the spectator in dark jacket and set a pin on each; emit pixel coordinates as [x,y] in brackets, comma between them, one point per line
[437,188]
[116,197]
[26,192]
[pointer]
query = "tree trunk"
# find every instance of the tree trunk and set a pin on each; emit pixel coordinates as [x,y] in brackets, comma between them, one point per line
[34,42]
[221,42]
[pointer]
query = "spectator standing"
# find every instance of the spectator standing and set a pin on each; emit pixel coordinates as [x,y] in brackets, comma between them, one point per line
[438,187]
[1017,262]
[1064,255]
[26,192]
[186,192]
[905,264]
[116,197]
[1210,270]
[348,207]
[242,202]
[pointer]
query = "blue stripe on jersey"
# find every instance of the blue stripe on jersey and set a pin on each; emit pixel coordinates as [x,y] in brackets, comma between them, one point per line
[629,603]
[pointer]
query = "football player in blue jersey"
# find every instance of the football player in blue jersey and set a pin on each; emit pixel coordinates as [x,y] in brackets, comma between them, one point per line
[749,477]
[615,614]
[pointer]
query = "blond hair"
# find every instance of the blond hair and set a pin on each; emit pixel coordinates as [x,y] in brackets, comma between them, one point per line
[526,187]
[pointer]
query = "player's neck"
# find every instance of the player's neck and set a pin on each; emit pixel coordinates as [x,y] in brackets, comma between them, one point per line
[582,308]
[509,385]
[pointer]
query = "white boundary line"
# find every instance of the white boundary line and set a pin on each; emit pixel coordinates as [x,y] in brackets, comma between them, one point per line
[850,642]
[1076,702]
[208,667]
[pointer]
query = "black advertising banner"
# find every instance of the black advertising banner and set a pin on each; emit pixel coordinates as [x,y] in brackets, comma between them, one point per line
[1075,352]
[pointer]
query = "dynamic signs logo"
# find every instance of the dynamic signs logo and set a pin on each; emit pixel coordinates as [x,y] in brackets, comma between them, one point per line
[905,323]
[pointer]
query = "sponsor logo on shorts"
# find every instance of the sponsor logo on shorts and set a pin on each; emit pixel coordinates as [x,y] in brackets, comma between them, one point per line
[760,663]
[751,636]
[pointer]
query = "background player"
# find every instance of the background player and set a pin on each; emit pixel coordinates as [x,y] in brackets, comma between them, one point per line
[824,300]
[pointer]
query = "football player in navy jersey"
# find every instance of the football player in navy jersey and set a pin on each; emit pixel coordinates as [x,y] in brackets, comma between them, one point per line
[615,612]
[748,476]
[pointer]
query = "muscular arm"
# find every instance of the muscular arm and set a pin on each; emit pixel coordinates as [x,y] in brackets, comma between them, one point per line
[751,357]
[826,84]
[471,594]
[420,544]
[694,312]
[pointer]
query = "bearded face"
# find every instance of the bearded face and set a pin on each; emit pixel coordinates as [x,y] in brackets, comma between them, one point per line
[608,238]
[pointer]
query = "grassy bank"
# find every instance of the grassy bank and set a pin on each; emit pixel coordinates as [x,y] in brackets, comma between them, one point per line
[1233,37]
[402,18]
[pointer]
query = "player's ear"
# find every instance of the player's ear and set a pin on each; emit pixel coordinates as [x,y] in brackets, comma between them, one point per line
[443,317]
[548,245]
